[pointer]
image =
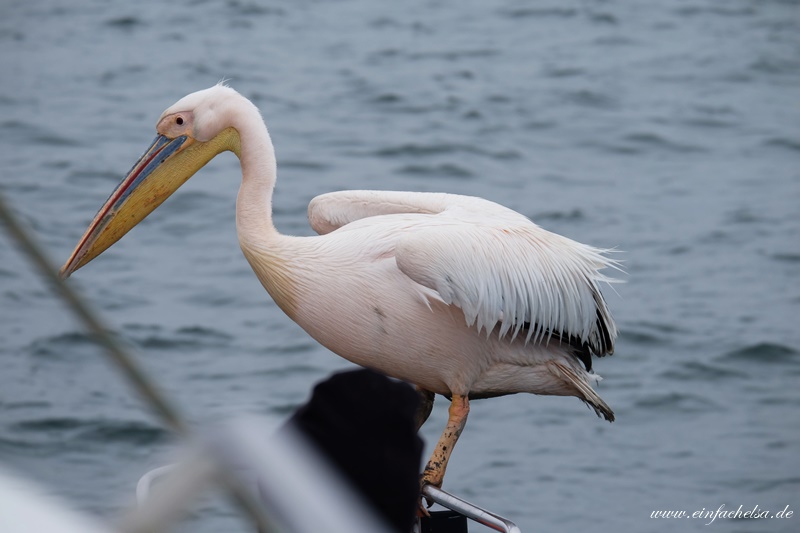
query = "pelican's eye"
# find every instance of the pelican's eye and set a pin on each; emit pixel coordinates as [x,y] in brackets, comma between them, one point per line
[179,121]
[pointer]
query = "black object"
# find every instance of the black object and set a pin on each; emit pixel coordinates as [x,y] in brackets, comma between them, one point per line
[364,423]
[444,522]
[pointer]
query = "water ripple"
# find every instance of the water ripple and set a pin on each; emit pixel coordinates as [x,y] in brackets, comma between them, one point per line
[186,337]
[425,150]
[696,11]
[699,371]
[591,98]
[784,143]
[445,170]
[763,353]
[33,135]
[539,12]
[572,215]
[125,22]
[787,257]
[647,333]
[659,142]
[455,55]
[676,402]
[74,430]
[253,8]
[60,346]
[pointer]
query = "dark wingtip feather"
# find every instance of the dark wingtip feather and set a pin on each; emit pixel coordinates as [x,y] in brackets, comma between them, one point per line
[605,344]
[601,409]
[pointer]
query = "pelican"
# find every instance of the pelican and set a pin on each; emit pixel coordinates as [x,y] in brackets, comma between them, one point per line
[456,295]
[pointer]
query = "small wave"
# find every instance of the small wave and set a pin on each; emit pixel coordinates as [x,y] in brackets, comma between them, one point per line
[214,376]
[455,55]
[538,125]
[693,11]
[205,333]
[649,334]
[699,371]
[125,22]
[614,40]
[179,342]
[676,402]
[772,65]
[300,347]
[614,148]
[153,337]
[213,297]
[30,134]
[716,110]
[654,140]
[288,370]
[191,201]
[91,176]
[787,257]
[779,401]
[31,404]
[284,409]
[154,342]
[763,353]
[304,165]
[58,345]
[572,215]
[604,18]
[563,72]
[783,143]
[28,447]
[445,170]
[131,432]
[387,98]
[539,12]
[590,98]
[253,8]
[709,123]
[789,485]
[49,424]
[759,484]
[745,216]
[679,250]
[75,429]
[424,150]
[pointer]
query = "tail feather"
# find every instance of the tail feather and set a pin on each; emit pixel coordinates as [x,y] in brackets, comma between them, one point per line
[584,390]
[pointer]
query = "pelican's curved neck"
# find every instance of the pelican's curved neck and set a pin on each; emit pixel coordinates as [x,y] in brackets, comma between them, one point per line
[264,248]
[259,173]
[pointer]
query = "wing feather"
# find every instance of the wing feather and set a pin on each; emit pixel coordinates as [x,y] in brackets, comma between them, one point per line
[522,279]
[331,211]
[500,268]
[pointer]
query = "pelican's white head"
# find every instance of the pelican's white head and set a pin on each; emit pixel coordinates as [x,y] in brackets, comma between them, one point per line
[204,114]
[191,132]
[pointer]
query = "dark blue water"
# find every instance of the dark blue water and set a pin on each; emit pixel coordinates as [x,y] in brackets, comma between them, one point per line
[669,130]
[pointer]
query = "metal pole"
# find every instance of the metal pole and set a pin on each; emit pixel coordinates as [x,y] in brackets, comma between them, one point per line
[482,516]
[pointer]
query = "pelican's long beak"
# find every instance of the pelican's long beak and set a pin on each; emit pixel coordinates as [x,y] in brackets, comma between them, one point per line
[164,167]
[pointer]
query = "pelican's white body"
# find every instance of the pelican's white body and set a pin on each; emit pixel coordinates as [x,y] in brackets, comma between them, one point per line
[353,297]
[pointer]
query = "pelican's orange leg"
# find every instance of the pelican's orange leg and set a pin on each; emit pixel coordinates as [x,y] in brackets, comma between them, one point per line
[434,471]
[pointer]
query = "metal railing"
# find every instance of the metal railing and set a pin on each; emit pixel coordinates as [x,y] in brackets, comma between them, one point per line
[471,511]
